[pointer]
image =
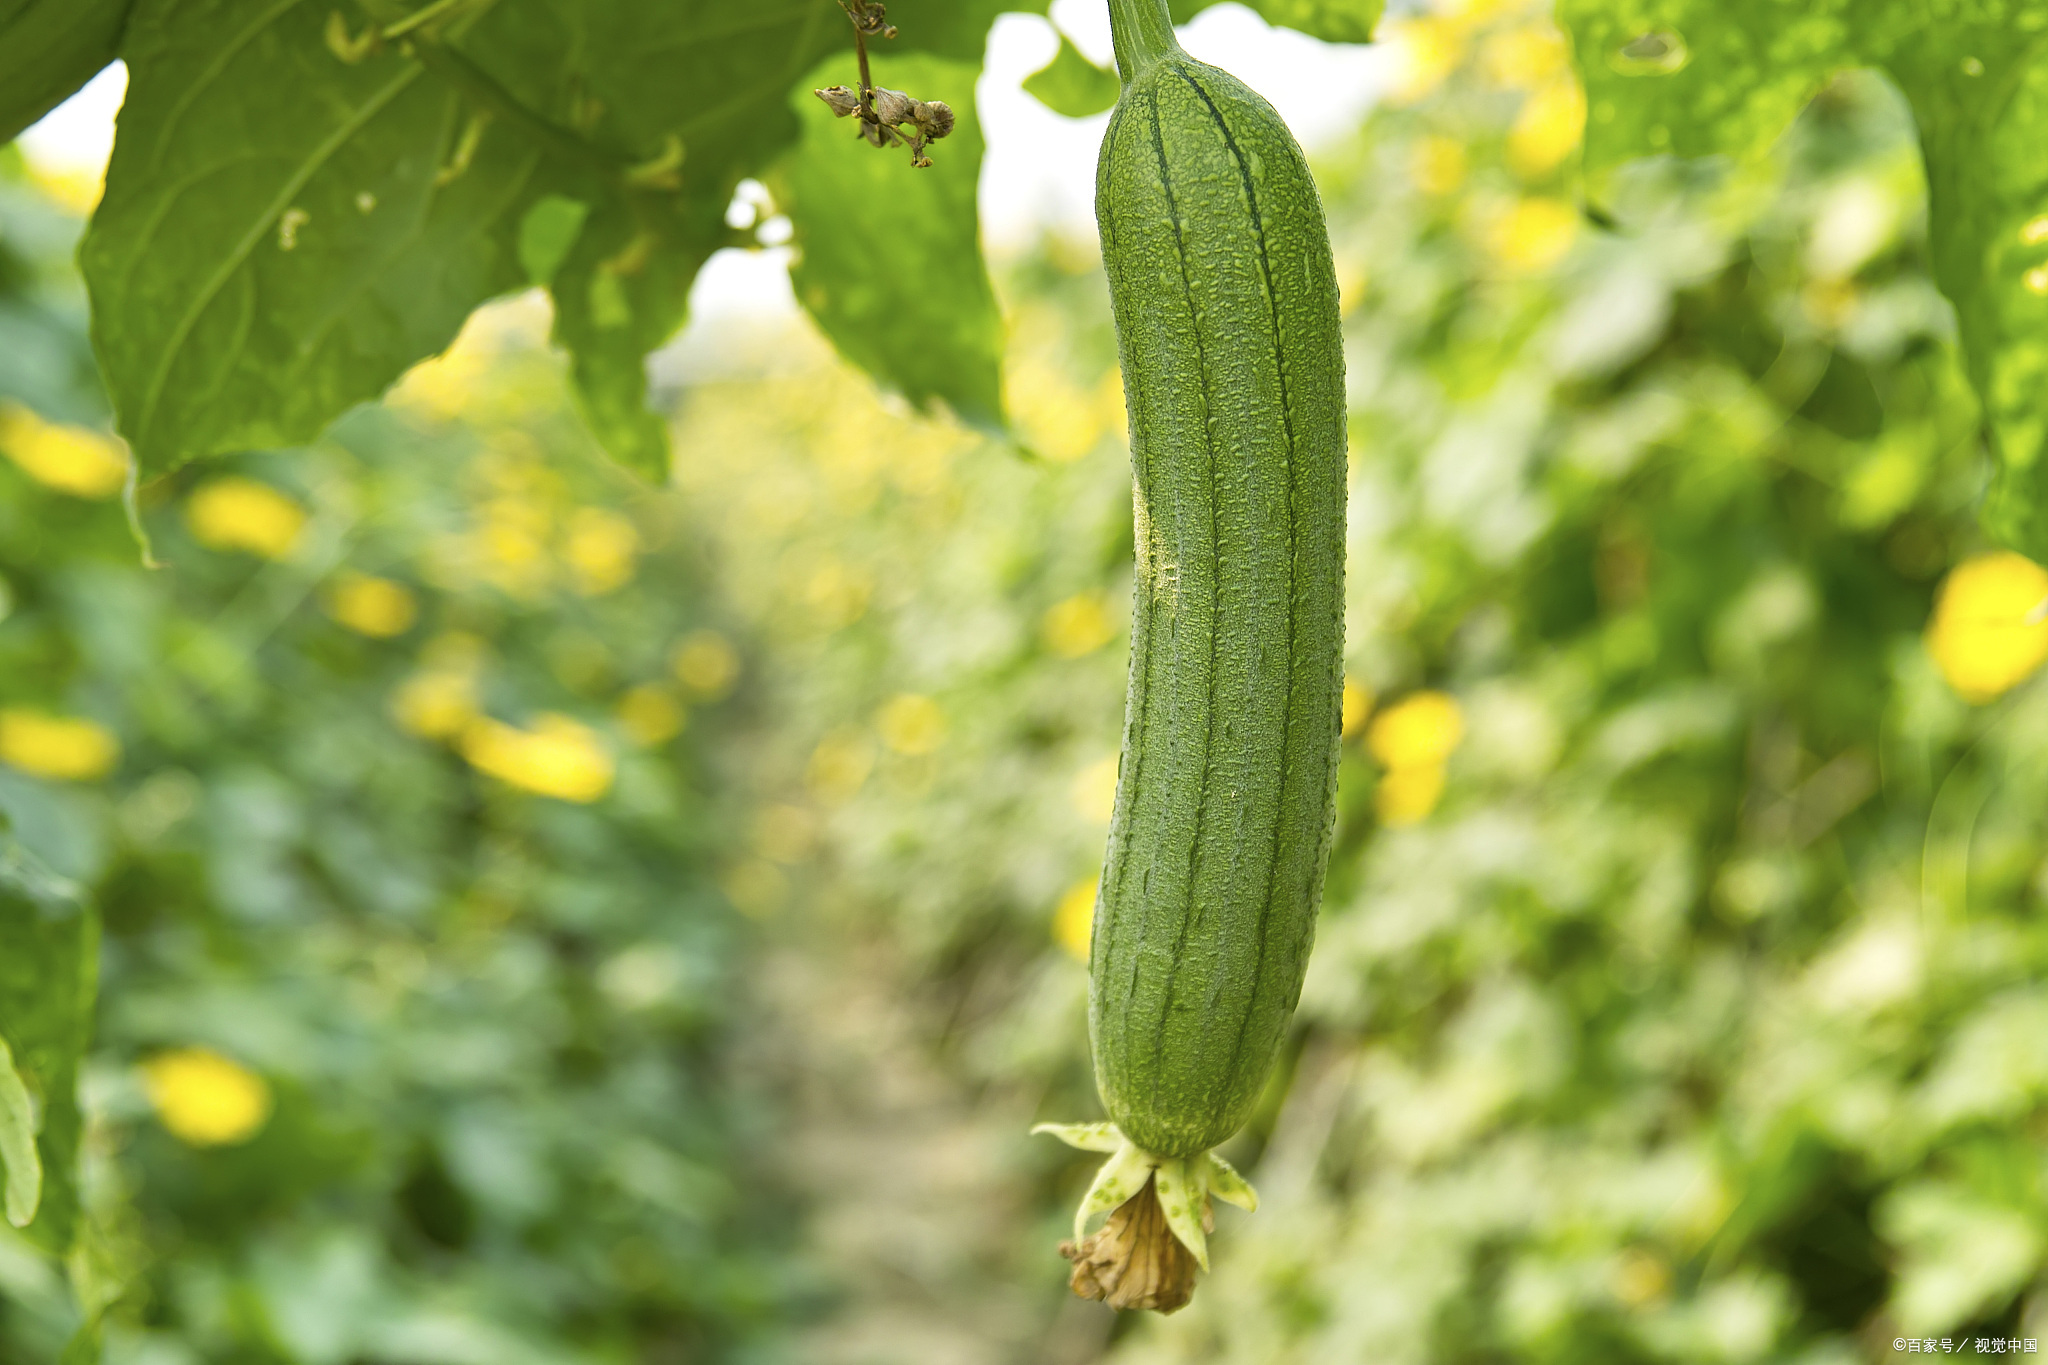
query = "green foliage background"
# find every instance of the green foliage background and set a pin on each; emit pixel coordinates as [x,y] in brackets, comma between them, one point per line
[1699,1022]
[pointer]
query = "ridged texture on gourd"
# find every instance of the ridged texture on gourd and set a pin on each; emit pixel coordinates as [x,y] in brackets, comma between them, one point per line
[1226,313]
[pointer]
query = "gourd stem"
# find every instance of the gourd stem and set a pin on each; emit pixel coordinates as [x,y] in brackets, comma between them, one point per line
[1142,31]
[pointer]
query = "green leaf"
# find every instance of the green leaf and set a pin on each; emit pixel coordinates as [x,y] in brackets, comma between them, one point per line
[889,257]
[47,982]
[547,232]
[1697,78]
[624,291]
[1693,78]
[1072,85]
[945,28]
[285,232]
[49,48]
[22,1168]
[1980,97]
[1333,21]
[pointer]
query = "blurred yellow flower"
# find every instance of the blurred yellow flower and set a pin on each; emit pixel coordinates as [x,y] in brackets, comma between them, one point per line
[558,757]
[68,748]
[707,664]
[840,765]
[1438,164]
[1055,416]
[233,513]
[511,545]
[599,550]
[1073,920]
[75,460]
[1525,56]
[1548,129]
[838,593]
[1984,637]
[1094,789]
[1534,234]
[1426,48]
[1413,738]
[911,724]
[205,1099]
[650,714]
[371,606]
[1641,1276]
[1418,731]
[441,386]
[1406,795]
[1357,706]
[1078,625]
[436,703]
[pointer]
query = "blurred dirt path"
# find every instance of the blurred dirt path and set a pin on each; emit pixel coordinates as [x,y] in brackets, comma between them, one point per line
[919,1216]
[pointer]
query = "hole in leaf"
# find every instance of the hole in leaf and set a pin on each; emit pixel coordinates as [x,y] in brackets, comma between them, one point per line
[1657,53]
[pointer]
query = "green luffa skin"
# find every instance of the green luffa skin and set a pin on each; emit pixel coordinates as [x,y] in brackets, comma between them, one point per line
[1226,314]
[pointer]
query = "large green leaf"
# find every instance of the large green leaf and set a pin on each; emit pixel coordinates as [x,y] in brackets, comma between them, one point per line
[47,973]
[284,231]
[1980,96]
[48,48]
[1696,78]
[292,220]
[1692,78]
[889,261]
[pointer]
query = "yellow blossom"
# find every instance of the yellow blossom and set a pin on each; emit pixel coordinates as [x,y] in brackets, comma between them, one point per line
[1426,48]
[68,748]
[1417,731]
[371,606]
[436,703]
[1534,234]
[840,765]
[1073,920]
[1078,625]
[650,714]
[911,724]
[1548,129]
[1357,705]
[205,1099]
[558,757]
[1406,795]
[75,460]
[1094,790]
[1525,56]
[1056,417]
[1640,1277]
[443,385]
[1985,636]
[1439,165]
[599,550]
[707,664]
[234,513]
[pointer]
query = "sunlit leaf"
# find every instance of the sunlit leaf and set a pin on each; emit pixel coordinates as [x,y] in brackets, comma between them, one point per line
[1072,85]
[890,264]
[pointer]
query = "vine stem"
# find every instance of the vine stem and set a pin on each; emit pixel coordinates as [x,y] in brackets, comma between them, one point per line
[1142,32]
